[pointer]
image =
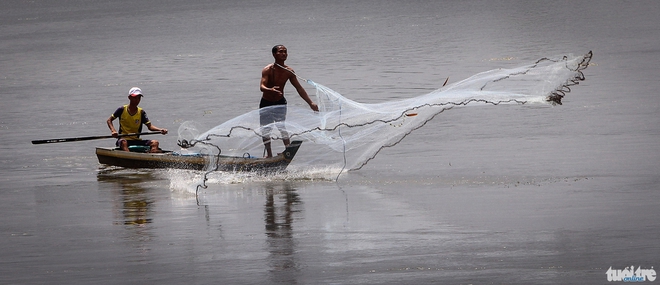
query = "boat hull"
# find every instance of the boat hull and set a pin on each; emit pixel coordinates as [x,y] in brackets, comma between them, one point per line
[168,159]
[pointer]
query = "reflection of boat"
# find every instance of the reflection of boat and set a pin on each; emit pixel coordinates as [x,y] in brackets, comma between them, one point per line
[169,159]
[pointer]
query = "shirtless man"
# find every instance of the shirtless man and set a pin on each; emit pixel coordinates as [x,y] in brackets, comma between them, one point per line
[273,78]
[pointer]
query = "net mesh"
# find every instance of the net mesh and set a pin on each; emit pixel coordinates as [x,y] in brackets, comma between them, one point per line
[345,135]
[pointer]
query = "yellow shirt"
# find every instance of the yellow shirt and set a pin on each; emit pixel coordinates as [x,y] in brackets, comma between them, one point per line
[130,124]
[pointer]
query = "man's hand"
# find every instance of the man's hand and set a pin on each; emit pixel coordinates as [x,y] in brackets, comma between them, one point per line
[276,89]
[314,107]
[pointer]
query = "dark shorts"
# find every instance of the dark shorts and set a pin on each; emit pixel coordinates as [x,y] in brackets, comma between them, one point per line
[271,112]
[134,142]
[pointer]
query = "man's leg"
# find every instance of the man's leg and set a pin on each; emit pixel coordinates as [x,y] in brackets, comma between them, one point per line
[269,152]
[123,144]
[281,117]
[285,134]
[265,118]
[154,146]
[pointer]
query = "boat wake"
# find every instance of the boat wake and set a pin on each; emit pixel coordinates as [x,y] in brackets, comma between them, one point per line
[345,135]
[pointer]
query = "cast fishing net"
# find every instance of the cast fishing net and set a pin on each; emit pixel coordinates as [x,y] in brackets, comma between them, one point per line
[345,135]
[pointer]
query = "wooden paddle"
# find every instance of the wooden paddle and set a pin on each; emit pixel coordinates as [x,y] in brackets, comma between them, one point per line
[89,138]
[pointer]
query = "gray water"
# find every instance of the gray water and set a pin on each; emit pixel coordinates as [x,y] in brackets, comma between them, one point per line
[487,195]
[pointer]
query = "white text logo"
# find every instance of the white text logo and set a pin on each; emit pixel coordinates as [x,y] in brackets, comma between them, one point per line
[630,274]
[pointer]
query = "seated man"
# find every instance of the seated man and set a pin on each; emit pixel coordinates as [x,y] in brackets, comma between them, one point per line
[131,117]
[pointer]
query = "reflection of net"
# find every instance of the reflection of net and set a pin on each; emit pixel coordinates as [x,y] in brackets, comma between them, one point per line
[346,135]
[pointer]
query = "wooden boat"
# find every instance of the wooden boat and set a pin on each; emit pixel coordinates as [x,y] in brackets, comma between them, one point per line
[170,159]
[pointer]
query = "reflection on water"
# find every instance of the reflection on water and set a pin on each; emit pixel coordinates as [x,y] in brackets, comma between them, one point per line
[133,204]
[282,207]
[136,205]
[134,200]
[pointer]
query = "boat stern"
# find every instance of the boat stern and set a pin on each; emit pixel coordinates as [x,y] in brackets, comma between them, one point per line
[291,150]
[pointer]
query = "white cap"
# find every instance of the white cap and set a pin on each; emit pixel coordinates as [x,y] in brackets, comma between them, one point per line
[135,91]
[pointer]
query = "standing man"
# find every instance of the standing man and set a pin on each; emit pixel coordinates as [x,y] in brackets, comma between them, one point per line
[273,78]
[131,117]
